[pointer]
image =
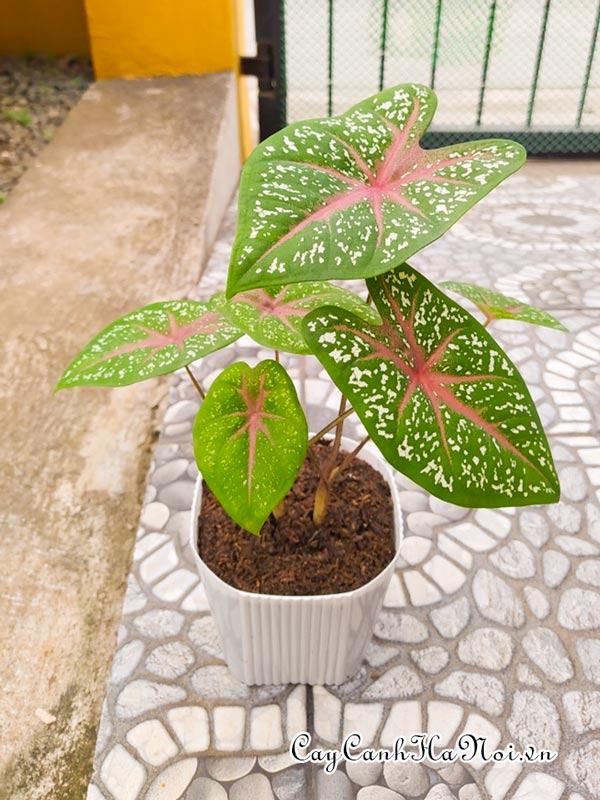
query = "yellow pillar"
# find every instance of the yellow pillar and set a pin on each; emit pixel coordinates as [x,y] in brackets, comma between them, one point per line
[142,38]
[39,26]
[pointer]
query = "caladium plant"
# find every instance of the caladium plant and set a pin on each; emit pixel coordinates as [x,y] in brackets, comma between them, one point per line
[495,305]
[350,197]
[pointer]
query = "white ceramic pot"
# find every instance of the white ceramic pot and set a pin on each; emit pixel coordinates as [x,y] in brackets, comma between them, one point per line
[272,639]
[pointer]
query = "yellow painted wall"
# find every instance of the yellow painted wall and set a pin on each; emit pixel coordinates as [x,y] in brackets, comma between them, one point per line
[50,27]
[136,38]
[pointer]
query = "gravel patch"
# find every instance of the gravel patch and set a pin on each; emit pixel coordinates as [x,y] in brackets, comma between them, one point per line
[36,94]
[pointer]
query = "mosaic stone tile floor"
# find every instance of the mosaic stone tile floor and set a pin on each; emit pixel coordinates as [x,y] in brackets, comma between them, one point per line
[491,622]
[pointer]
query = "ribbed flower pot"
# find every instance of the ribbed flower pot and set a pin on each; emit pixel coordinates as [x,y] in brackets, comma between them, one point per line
[272,639]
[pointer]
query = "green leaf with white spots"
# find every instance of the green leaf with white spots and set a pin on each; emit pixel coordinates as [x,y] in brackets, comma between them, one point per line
[154,340]
[439,397]
[273,316]
[498,306]
[354,195]
[250,440]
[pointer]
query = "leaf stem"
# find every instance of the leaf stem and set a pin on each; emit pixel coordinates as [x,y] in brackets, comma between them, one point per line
[329,426]
[348,459]
[196,383]
[277,359]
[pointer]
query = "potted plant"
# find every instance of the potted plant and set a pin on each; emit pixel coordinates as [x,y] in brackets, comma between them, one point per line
[296,534]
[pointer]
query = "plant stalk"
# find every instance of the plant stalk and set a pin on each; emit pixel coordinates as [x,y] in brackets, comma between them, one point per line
[196,383]
[348,459]
[330,426]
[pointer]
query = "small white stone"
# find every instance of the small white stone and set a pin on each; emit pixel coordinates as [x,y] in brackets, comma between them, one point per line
[534,721]
[478,726]
[170,660]
[536,784]
[229,727]
[420,590]
[135,599]
[404,719]
[423,523]
[410,780]
[196,600]
[255,786]
[148,543]
[534,527]
[173,781]
[142,695]
[170,471]
[379,654]
[452,619]
[537,602]
[122,775]
[496,600]
[377,793]
[565,516]
[159,563]
[582,710]
[265,728]
[440,792]
[526,675]
[472,537]
[291,784]
[469,792]
[394,596]
[588,651]
[178,496]
[443,719]
[547,652]
[181,411]
[447,576]
[205,636]
[175,585]
[453,775]
[453,550]
[589,572]
[152,742]
[484,691]
[215,682]
[413,501]
[363,773]
[93,793]
[487,648]
[415,549]
[515,560]
[276,763]
[190,724]
[447,510]
[575,546]
[362,718]
[431,659]
[159,624]
[327,714]
[397,682]
[126,660]
[229,769]
[583,767]
[333,787]
[154,516]
[296,711]
[207,789]
[573,485]
[501,777]
[579,610]
[400,628]
[555,567]
[493,521]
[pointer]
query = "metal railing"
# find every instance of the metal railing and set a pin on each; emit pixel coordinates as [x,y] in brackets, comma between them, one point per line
[520,68]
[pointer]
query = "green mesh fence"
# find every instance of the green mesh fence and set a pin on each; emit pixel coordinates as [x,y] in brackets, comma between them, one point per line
[520,68]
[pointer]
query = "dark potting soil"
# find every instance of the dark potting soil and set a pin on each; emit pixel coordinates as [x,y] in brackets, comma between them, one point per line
[292,556]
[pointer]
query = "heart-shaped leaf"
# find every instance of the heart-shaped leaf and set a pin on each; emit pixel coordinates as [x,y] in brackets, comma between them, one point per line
[154,340]
[250,440]
[439,397]
[498,306]
[351,196]
[273,316]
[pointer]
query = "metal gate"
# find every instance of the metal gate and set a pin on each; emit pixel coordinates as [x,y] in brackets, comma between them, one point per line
[525,69]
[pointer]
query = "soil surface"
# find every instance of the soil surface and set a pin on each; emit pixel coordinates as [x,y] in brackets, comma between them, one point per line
[36,93]
[292,556]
